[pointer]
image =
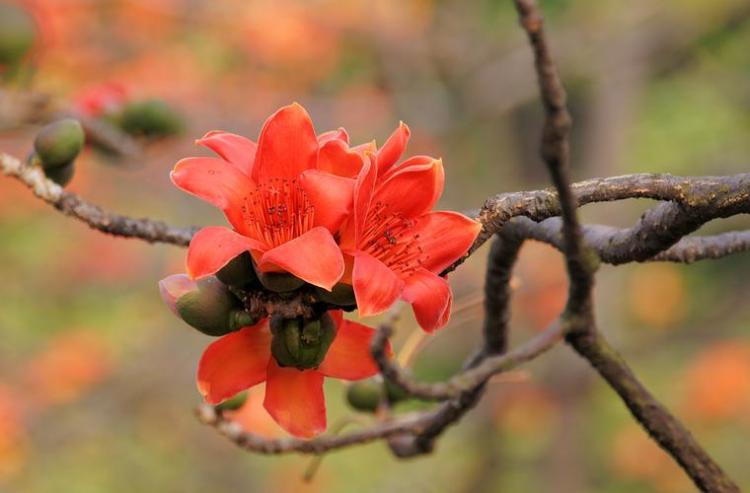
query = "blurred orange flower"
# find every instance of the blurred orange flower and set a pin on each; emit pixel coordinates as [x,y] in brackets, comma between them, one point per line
[542,284]
[72,362]
[656,295]
[637,457]
[718,382]
[13,439]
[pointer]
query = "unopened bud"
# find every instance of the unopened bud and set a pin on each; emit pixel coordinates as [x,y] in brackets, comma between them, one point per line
[342,294]
[150,118]
[239,272]
[365,395]
[61,174]
[301,343]
[17,32]
[233,403]
[58,143]
[206,304]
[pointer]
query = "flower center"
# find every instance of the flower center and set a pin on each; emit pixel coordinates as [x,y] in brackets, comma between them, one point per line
[277,211]
[390,238]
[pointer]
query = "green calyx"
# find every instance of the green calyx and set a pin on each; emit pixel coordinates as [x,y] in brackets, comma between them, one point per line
[341,295]
[17,33]
[59,143]
[301,343]
[213,309]
[279,282]
[239,272]
[150,118]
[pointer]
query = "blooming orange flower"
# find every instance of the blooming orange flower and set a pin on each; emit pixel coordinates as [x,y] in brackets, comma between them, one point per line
[294,398]
[285,198]
[397,246]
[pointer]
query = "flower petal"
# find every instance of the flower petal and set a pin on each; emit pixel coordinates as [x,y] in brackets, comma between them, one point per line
[376,286]
[335,157]
[363,189]
[413,188]
[233,148]
[330,195]
[313,257]
[430,297]
[338,134]
[213,181]
[349,356]
[394,147]
[174,287]
[295,400]
[213,247]
[444,236]
[287,145]
[234,362]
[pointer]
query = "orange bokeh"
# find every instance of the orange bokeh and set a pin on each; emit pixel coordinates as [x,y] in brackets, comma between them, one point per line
[718,382]
[72,362]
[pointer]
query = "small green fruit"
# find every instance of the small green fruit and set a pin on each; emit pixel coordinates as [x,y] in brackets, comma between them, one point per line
[365,395]
[61,174]
[58,143]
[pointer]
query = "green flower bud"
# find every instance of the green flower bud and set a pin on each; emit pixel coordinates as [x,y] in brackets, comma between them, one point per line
[279,282]
[239,272]
[365,395]
[58,143]
[17,33]
[233,403]
[150,118]
[301,343]
[342,294]
[212,308]
[61,174]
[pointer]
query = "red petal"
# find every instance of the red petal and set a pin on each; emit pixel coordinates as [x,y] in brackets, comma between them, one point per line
[444,237]
[212,247]
[287,145]
[213,181]
[376,287]
[389,154]
[295,400]
[413,189]
[338,134]
[335,157]
[330,195]
[234,362]
[349,356]
[430,297]
[363,190]
[233,148]
[313,257]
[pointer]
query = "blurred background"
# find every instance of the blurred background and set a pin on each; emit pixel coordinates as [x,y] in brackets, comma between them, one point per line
[96,375]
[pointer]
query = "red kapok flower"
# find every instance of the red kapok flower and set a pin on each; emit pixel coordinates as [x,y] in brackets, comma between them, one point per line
[294,398]
[101,99]
[285,198]
[397,245]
